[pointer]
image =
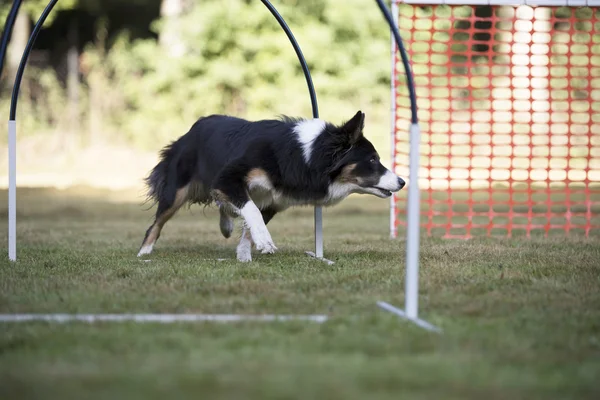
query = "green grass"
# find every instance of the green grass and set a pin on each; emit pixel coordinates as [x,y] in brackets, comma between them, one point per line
[521,318]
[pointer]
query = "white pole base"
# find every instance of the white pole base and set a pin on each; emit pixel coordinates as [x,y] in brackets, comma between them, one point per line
[313,255]
[318,216]
[162,318]
[12,190]
[423,324]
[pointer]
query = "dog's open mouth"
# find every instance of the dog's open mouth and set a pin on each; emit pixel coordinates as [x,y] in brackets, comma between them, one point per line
[384,192]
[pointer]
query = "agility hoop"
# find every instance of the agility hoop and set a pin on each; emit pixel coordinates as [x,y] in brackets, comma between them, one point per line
[12,124]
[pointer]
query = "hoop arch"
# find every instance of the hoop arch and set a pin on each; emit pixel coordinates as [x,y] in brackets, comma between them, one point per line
[12,253]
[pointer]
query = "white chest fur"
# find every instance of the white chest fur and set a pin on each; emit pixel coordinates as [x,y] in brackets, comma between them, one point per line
[264,195]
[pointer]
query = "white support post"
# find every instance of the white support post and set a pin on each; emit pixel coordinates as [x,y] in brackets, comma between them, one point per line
[413,221]
[318,232]
[402,314]
[394,10]
[411,292]
[12,190]
[318,253]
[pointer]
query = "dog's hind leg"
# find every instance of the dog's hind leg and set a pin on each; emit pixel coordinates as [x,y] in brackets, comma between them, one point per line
[244,248]
[225,221]
[163,214]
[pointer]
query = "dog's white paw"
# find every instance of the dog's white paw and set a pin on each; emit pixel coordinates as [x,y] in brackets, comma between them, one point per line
[263,242]
[266,246]
[270,249]
[244,255]
[244,248]
[147,249]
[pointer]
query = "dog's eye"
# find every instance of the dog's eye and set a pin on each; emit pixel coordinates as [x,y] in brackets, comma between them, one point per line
[373,160]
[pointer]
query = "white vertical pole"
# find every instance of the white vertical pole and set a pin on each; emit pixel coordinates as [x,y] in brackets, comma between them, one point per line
[318,232]
[413,213]
[412,234]
[394,11]
[12,190]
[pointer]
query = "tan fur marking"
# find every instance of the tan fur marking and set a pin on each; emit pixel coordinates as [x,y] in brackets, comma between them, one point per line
[152,236]
[346,175]
[180,198]
[256,174]
[218,195]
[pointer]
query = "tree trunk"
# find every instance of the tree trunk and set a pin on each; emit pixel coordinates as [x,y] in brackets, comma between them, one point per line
[95,113]
[170,35]
[18,41]
[73,82]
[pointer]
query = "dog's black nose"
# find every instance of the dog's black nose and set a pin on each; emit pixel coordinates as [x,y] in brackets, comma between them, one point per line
[401,182]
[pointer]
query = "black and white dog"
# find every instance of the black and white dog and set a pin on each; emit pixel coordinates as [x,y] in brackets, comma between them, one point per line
[257,169]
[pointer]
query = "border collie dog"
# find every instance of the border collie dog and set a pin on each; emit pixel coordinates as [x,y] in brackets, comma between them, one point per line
[257,169]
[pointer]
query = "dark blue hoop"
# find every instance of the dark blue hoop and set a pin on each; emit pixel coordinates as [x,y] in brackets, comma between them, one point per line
[52,3]
[409,76]
[288,32]
[32,37]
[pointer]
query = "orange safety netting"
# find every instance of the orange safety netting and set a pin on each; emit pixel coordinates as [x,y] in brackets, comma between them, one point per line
[509,109]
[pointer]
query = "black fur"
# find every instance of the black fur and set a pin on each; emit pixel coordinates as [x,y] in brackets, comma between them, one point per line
[219,150]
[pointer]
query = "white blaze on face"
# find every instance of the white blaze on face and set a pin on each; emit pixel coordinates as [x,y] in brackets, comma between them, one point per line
[388,181]
[307,132]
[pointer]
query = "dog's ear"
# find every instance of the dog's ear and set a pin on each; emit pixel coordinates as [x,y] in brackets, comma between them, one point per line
[354,128]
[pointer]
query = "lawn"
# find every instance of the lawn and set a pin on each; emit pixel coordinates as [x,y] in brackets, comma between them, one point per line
[521,318]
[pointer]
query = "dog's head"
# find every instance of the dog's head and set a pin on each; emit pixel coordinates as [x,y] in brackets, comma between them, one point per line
[356,165]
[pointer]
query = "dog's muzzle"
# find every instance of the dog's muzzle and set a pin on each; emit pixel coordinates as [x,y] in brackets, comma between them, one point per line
[388,183]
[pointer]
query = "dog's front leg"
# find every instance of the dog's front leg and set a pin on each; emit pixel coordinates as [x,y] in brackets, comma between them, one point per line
[231,190]
[244,248]
[253,221]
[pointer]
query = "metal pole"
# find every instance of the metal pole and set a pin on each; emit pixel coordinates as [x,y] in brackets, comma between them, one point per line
[12,141]
[393,230]
[412,232]
[412,240]
[12,136]
[12,190]
[318,232]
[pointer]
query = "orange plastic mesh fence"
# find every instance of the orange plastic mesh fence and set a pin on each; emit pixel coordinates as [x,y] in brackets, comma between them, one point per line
[509,109]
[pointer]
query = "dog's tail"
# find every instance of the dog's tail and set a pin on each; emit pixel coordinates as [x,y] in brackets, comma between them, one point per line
[162,181]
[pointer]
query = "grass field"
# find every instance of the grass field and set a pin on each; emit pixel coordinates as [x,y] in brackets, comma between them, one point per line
[521,318]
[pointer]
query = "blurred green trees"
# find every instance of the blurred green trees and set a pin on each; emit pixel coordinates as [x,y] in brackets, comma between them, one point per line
[215,57]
